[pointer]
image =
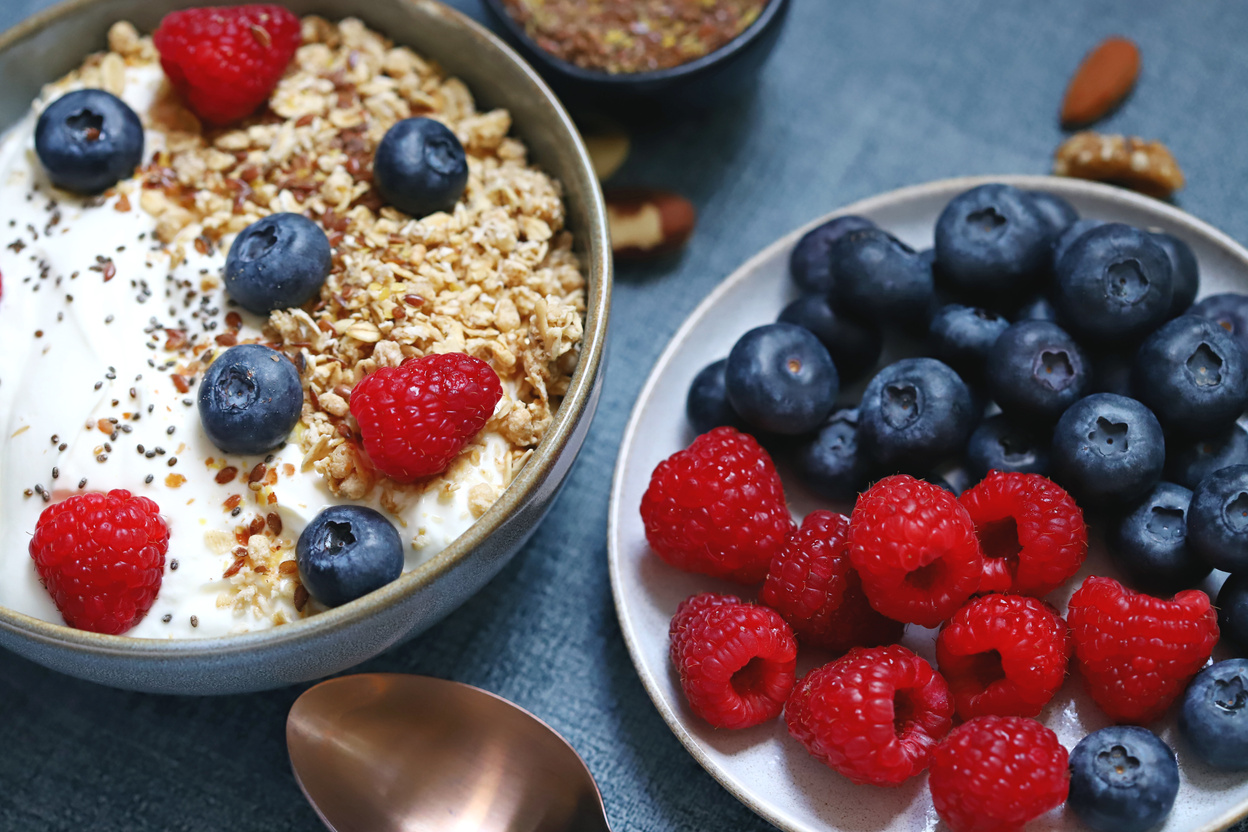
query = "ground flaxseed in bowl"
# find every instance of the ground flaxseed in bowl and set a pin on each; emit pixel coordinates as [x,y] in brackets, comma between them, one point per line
[627,36]
[119,298]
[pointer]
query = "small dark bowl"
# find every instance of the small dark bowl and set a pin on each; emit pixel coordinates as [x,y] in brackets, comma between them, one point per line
[696,85]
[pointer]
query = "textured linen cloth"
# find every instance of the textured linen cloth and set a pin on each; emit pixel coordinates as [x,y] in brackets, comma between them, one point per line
[857,99]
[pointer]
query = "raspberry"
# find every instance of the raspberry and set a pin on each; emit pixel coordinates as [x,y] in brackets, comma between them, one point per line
[1030,530]
[717,507]
[1004,655]
[226,61]
[874,715]
[915,549]
[995,773]
[736,661]
[415,418]
[102,558]
[1137,652]
[813,586]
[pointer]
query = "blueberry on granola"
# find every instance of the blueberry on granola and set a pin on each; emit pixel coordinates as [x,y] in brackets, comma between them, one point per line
[420,167]
[347,552]
[88,140]
[277,262]
[250,399]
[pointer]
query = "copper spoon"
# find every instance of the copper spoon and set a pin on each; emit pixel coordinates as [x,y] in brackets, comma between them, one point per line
[388,752]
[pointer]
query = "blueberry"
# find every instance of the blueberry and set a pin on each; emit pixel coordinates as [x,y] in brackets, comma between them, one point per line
[277,262]
[1107,450]
[1039,308]
[994,241]
[1001,445]
[1217,522]
[1193,375]
[1214,716]
[810,264]
[1184,271]
[781,379]
[420,167]
[880,278]
[250,399]
[707,406]
[914,413]
[1063,241]
[346,552]
[1228,310]
[1036,371]
[1150,543]
[88,140]
[1111,370]
[962,337]
[853,343]
[1057,212]
[1190,462]
[940,482]
[830,463]
[1233,611]
[1122,779]
[1114,283]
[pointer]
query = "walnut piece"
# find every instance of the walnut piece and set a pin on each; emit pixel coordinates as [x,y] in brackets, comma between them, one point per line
[1144,166]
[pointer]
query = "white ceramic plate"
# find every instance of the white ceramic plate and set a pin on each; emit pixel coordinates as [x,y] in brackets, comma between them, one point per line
[763,766]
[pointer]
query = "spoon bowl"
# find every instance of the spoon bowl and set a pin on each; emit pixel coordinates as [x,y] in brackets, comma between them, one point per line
[387,752]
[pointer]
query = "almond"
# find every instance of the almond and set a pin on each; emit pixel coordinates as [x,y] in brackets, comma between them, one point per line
[647,222]
[1103,79]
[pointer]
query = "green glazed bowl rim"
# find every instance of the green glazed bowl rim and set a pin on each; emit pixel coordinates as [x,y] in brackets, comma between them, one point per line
[597,263]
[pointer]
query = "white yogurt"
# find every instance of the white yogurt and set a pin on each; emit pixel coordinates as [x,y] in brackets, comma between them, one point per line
[66,361]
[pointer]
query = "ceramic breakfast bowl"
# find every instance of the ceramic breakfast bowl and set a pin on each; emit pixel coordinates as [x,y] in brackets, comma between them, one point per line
[689,87]
[50,44]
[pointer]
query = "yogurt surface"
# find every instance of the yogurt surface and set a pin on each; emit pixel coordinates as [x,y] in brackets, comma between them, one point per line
[91,399]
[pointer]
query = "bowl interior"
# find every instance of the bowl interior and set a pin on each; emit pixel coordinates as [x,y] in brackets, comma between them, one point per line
[51,43]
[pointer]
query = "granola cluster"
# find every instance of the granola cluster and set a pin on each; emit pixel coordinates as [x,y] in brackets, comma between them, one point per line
[496,278]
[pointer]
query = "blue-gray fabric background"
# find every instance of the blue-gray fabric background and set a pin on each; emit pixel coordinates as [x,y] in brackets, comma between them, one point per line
[858,98]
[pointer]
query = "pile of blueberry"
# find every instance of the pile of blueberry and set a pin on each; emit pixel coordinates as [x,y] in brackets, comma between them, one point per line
[1055,345]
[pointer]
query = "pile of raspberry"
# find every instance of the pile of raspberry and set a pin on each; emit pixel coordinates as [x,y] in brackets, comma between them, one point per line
[976,567]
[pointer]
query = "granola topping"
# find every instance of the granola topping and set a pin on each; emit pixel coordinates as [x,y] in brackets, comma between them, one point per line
[495,278]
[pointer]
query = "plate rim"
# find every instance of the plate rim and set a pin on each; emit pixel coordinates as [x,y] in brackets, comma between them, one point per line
[1061,186]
